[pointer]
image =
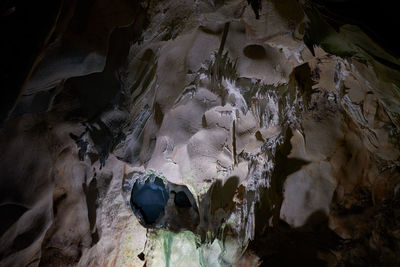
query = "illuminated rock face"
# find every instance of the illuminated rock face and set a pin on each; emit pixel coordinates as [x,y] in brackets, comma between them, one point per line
[198,133]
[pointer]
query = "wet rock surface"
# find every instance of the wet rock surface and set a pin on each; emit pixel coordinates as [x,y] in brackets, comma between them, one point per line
[201,133]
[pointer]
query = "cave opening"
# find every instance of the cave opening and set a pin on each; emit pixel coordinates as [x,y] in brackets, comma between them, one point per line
[148,200]
[181,200]
[161,204]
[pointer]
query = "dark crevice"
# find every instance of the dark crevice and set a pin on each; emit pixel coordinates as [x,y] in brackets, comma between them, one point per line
[92,194]
[57,202]
[234,142]
[256,6]
[181,200]
[158,114]
[10,213]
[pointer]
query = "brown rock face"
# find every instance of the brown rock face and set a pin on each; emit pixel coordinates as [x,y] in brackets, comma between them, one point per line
[198,133]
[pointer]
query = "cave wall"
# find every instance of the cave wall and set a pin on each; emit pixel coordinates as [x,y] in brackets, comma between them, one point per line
[278,121]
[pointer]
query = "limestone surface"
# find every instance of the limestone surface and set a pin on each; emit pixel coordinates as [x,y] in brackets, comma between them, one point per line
[203,133]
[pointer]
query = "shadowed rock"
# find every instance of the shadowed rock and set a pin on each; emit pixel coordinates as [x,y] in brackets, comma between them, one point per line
[148,200]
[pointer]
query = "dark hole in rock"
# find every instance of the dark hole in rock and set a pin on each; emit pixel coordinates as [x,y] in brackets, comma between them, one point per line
[141,256]
[10,214]
[255,51]
[27,238]
[222,194]
[95,238]
[182,201]
[148,200]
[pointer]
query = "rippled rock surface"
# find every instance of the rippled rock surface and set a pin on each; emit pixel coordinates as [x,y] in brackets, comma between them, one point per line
[202,133]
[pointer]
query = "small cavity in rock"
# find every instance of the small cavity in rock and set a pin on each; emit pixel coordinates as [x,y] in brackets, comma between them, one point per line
[148,200]
[181,200]
[255,51]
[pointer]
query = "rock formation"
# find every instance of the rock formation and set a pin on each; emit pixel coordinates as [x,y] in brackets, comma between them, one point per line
[199,133]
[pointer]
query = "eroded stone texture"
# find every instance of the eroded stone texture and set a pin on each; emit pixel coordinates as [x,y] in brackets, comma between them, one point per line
[276,145]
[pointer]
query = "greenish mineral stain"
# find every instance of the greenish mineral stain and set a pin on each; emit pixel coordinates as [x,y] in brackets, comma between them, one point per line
[167,247]
[201,257]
